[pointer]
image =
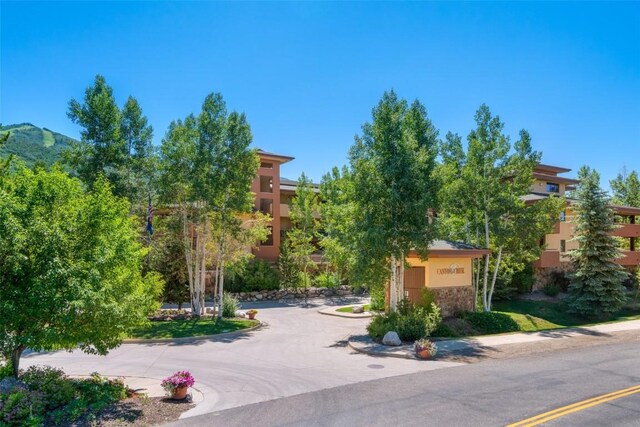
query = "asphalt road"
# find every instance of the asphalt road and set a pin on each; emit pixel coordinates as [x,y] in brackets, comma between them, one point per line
[489,393]
[299,351]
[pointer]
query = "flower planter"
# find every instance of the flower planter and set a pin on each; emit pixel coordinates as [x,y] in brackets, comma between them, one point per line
[180,393]
[251,315]
[423,354]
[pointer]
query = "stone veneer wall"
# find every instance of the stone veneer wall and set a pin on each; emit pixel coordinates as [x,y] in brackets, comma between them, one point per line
[279,294]
[454,299]
[542,276]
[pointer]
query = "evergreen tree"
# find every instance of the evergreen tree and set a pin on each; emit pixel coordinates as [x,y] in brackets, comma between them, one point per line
[596,288]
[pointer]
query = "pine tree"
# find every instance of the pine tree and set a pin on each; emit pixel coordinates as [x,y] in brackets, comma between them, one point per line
[596,288]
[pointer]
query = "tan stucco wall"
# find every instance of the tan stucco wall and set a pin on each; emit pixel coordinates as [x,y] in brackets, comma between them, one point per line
[552,241]
[435,277]
[540,186]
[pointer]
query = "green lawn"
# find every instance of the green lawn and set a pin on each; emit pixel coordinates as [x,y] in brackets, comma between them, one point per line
[191,328]
[540,315]
[350,309]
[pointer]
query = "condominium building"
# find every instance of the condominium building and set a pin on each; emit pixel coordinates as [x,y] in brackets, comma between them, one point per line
[273,194]
[557,244]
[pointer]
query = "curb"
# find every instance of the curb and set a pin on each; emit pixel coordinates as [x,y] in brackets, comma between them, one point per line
[192,339]
[375,353]
[332,311]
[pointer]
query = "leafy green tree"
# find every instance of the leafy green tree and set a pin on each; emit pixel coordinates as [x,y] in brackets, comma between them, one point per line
[166,257]
[207,169]
[102,148]
[140,160]
[482,198]
[391,165]
[289,275]
[4,163]
[70,266]
[116,143]
[336,221]
[626,189]
[596,287]
[304,231]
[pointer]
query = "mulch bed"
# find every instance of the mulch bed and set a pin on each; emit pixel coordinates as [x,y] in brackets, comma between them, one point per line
[139,410]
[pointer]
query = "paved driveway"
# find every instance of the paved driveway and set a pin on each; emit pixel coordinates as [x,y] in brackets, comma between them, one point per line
[298,351]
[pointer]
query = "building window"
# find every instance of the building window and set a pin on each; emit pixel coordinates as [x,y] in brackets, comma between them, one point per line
[563,216]
[266,184]
[266,206]
[266,165]
[552,187]
[563,246]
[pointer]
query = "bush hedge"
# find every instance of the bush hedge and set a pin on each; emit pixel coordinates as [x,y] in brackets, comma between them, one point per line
[46,396]
[258,275]
[230,304]
[490,322]
[410,322]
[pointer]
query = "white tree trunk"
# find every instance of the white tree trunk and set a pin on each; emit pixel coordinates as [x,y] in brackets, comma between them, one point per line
[495,275]
[221,280]
[393,290]
[485,303]
[401,280]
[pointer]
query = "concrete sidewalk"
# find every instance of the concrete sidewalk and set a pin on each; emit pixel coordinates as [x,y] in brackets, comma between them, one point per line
[364,344]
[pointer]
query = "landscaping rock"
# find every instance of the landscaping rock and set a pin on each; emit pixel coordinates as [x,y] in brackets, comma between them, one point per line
[357,309]
[391,338]
[9,384]
[279,294]
[240,313]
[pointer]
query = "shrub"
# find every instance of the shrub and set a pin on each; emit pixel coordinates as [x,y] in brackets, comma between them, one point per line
[427,298]
[443,330]
[327,279]
[230,304]
[377,298]
[524,279]
[381,324]
[491,322]
[51,382]
[46,396]
[410,322]
[257,276]
[561,280]
[22,407]
[551,289]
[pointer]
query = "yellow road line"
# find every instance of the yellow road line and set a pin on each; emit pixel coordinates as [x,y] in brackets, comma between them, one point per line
[575,407]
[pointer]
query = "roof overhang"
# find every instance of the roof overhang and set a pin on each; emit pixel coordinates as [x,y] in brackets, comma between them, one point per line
[555,179]
[264,155]
[549,168]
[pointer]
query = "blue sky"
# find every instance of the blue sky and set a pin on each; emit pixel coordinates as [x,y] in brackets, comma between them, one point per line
[308,73]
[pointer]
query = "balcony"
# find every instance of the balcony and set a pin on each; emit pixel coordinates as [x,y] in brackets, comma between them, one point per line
[630,258]
[548,259]
[627,230]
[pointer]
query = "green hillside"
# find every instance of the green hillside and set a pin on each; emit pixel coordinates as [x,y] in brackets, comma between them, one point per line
[32,143]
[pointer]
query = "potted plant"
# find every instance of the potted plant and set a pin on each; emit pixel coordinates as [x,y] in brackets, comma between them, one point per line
[424,348]
[252,313]
[177,384]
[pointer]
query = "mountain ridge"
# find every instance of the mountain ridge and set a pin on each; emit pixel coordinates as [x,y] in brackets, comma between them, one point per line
[34,144]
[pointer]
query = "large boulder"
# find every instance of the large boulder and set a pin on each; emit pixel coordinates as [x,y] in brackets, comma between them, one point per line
[391,338]
[10,384]
[357,309]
